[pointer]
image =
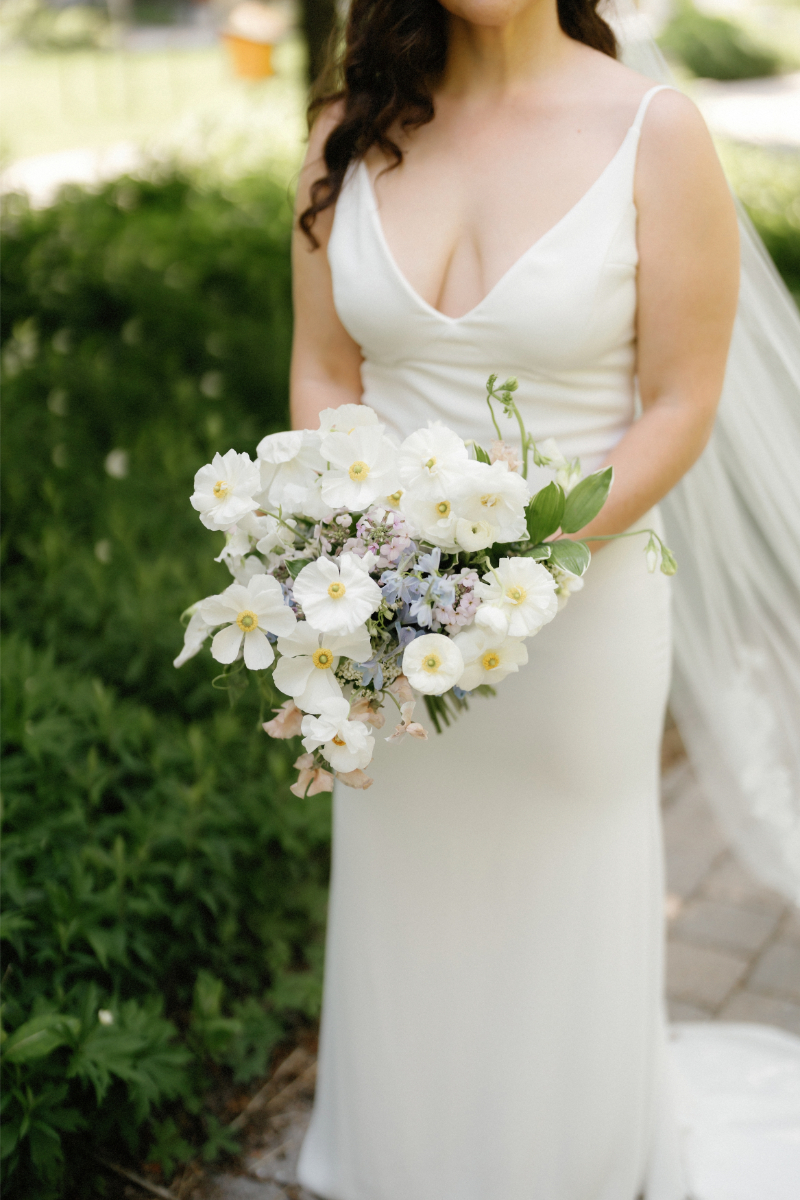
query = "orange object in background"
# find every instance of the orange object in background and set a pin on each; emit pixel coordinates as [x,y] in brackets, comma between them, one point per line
[251,60]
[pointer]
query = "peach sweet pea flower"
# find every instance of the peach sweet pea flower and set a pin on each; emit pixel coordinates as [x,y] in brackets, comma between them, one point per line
[362,710]
[502,452]
[312,779]
[287,722]
[355,779]
[402,689]
[407,726]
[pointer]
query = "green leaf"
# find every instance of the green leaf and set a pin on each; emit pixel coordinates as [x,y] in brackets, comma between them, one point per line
[480,454]
[544,512]
[586,499]
[539,553]
[39,1037]
[295,566]
[570,556]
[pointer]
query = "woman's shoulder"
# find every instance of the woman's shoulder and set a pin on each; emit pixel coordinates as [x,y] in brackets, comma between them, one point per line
[670,114]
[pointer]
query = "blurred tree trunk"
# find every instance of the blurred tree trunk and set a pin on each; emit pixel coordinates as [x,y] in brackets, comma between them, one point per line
[318,20]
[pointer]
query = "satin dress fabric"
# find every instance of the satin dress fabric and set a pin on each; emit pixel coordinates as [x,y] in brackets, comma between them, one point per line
[492,1023]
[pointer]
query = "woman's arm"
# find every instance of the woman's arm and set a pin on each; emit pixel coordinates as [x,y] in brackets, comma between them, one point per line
[326,362]
[688,287]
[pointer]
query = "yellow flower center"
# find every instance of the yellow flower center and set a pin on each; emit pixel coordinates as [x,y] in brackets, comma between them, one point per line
[358,471]
[221,489]
[490,660]
[322,659]
[443,509]
[488,501]
[247,621]
[395,496]
[337,741]
[336,590]
[516,594]
[431,663]
[430,463]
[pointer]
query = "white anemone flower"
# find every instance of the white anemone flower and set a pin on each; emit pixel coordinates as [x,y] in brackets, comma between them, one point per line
[362,467]
[493,493]
[346,418]
[432,461]
[432,663]
[337,595]
[488,658]
[474,535]
[224,489]
[309,658]
[275,535]
[518,597]
[194,636]
[290,463]
[347,745]
[248,613]
[430,518]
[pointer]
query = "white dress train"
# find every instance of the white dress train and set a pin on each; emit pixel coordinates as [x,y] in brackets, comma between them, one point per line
[492,1022]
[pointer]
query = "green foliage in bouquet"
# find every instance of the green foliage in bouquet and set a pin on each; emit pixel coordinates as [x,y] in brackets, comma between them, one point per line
[164,894]
[714,47]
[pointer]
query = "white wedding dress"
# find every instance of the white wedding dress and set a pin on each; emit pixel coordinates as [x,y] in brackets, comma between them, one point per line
[492,1024]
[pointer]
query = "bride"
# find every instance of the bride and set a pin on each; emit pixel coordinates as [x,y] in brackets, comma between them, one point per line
[492,191]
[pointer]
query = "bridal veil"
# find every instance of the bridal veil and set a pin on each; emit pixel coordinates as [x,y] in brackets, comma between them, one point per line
[734,525]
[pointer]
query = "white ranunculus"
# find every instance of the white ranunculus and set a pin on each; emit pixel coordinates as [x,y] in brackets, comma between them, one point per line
[432,663]
[309,658]
[488,658]
[337,595]
[490,492]
[518,596]
[290,463]
[347,745]
[432,461]
[224,489]
[362,467]
[248,614]
[194,636]
[431,518]
[346,418]
[474,535]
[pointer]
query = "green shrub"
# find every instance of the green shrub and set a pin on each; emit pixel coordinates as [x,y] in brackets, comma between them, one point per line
[715,48]
[157,869]
[768,183]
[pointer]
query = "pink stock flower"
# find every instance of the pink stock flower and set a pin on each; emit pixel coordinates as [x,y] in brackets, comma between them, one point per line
[502,452]
[312,779]
[287,722]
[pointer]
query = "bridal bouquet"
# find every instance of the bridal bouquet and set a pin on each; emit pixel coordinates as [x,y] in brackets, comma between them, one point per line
[366,572]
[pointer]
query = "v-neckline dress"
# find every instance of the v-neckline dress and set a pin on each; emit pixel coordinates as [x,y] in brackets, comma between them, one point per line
[492,1023]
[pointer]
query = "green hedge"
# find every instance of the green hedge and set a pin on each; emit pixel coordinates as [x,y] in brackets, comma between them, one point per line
[157,868]
[714,47]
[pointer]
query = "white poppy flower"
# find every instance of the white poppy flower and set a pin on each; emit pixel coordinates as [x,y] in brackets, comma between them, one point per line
[518,597]
[224,489]
[432,518]
[432,663]
[362,467]
[290,463]
[474,535]
[337,595]
[432,461]
[346,417]
[347,745]
[490,492]
[194,636]
[487,657]
[309,658]
[253,611]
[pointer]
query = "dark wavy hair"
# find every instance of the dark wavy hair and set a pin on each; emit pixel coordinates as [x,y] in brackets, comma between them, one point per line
[393,55]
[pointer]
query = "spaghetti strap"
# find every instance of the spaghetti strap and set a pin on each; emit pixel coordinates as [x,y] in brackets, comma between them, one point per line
[644,103]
